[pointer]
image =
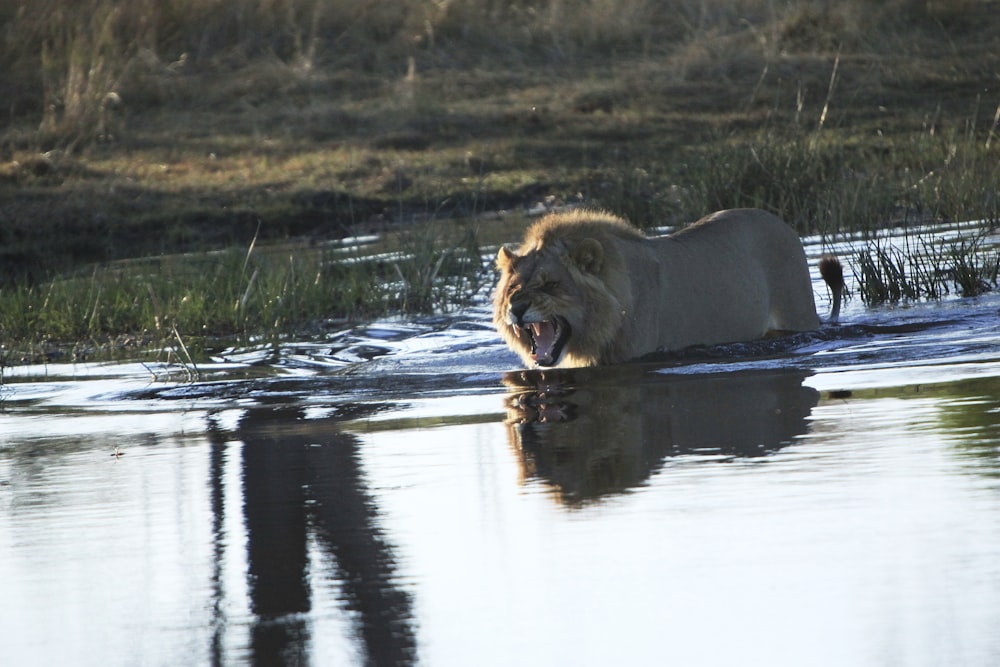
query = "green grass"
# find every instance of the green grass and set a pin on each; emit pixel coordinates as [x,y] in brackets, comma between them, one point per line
[242,295]
[153,129]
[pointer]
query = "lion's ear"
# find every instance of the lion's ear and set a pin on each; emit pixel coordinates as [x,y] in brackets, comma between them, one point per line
[505,257]
[588,255]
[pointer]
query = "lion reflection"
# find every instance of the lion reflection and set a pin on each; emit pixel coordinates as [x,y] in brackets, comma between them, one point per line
[592,432]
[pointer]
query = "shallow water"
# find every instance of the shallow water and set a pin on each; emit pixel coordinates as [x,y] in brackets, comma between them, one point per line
[400,494]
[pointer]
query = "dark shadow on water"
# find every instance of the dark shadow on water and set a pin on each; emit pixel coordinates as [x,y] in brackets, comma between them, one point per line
[302,481]
[593,432]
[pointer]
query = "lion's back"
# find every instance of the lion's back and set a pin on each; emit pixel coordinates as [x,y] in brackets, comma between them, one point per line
[745,265]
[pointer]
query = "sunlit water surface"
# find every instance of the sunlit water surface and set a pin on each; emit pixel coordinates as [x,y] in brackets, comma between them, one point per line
[395,495]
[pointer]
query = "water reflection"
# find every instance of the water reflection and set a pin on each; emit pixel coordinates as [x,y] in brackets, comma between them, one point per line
[970,412]
[303,484]
[594,432]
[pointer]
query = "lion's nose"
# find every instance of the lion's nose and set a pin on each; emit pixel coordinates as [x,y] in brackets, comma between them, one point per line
[517,311]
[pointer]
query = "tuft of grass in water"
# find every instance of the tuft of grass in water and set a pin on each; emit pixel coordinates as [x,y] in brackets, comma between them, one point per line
[965,262]
[926,268]
[433,275]
[258,293]
[885,274]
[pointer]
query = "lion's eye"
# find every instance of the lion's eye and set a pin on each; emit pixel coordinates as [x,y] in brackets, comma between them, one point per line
[550,285]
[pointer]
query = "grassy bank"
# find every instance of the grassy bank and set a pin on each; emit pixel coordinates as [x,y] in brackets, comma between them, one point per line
[154,128]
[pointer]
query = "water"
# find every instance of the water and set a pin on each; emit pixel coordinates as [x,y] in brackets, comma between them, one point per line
[401,494]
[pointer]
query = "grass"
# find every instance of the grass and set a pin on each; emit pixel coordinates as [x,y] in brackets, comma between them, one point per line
[925,268]
[243,295]
[135,132]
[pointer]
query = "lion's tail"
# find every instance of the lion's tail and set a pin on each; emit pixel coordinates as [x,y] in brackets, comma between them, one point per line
[833,273]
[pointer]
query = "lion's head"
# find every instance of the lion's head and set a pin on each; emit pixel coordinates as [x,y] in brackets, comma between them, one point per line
[564,293]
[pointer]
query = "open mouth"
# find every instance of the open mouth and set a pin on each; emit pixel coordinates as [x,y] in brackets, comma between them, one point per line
[548,339]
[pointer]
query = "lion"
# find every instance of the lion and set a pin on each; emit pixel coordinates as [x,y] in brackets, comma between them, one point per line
[586,288]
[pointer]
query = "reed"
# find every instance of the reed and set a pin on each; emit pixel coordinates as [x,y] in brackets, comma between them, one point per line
[924,267]
[256,294]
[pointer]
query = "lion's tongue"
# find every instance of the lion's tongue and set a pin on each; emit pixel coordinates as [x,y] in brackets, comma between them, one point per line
[545,337]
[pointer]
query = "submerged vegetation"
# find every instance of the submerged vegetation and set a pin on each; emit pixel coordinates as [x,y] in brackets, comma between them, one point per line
[148,145]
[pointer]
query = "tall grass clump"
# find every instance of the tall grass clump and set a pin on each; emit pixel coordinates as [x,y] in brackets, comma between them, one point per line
[828,181]
[250,294]
[925,267]
[78,66]
[953,174]
[83,64]
[67,64]
[435,268]
[817,186]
